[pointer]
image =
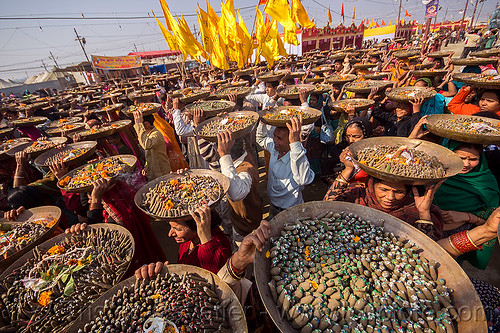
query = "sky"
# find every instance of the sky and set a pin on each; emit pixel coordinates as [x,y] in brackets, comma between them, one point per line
[27,37]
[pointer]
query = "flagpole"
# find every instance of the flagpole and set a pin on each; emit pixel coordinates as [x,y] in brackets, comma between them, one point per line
[399,13]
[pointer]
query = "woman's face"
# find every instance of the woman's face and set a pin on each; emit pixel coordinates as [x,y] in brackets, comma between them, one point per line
[402,110]
[469,156]
[388,194]
[489,102]
[181,232]
[353,134]
[313,100]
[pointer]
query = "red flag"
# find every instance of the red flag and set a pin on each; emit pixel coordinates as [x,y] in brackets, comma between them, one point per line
[262,2]
[342,13]
[367,22]
[266,21]
[406,14]
[383,22]
[377,25]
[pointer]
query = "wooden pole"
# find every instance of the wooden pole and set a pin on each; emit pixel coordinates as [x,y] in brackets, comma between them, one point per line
[462,20]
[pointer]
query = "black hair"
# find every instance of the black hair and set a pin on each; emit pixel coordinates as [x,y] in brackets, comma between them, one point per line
[378,180]
[93,116]
[274,84]
[475,146]
[248,78]
[27,196]
[216,220]
[487,114]
[494,91]
[149,118]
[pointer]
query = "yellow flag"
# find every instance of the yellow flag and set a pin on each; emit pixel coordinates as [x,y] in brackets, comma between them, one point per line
[169,19]
[204,29]
[247,43]
[291,36]
[280,11]
[390,23]
[187,42]
[354,12]
[169,38]
[299,15]
[372,24]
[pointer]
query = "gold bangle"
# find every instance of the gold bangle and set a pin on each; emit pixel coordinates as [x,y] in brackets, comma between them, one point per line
[341,180]
[470,240]
[424,222]
[453,246]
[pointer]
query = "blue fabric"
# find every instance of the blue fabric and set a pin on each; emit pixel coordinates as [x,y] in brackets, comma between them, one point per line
[434,105]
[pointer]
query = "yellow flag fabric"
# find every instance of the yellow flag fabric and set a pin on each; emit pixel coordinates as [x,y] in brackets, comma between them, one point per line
[299,15]
[187,42]
[169,38]
[273,46]
[291,36]
[247,40]
[354,12]
[218,55]
[204,29]
[169,19]
[373,23]
[280,11]
[390,23]
[329,14]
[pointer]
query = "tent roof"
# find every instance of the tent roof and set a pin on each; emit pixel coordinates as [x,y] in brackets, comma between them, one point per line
[156,54]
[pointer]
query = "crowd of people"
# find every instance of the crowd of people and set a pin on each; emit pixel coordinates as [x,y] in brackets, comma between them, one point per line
[223,238]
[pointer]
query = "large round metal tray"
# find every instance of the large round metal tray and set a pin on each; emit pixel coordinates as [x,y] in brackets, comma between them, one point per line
[91,145]
[367,103]
[484,139]
[440,54]
[156,108]
[5,132]
[341,79]
[33,214]
[110,108]
[228,107]
[120,125]
[102,132]
[131,160]
[237,319]
[138,198]
[321,69]
[243,72]
[194,97]
[363,66]
[321,88]
[239,91]
[238,134]
[406,54]
[57,131]
[146,97]
[365,87]
[32,121]
[315,114]
[376,76]
[473,61]
[314,79]
[295,95]
[478,80]
[424,92]
[486,53]
[44,247]
[271,76]
[24,146]
[9,144]
[59,123]
[429,73]
[464,297]
[451,162]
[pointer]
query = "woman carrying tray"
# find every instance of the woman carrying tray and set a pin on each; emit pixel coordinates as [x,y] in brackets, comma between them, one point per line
[489,101]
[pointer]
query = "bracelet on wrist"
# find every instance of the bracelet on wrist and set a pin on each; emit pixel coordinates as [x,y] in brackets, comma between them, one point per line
[232,271]
[462,242]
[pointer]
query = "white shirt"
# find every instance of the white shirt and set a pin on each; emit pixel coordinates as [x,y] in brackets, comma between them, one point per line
[181,127]
[239,183]
[287,175]
[264,100]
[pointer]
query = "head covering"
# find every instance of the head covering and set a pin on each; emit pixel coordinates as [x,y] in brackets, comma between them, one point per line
[405,210]
[426,80]
[362,122]
[467,69]
[319,104]
[475,192]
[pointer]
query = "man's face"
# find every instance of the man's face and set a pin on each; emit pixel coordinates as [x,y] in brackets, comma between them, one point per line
[281,141]
[270,90]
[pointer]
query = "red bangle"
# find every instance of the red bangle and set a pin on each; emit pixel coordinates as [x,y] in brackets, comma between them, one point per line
[237,272]
[463,243]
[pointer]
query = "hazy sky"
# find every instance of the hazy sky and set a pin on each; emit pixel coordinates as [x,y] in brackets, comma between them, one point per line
[26,38]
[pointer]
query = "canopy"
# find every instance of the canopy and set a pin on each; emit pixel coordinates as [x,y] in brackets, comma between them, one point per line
[156,54]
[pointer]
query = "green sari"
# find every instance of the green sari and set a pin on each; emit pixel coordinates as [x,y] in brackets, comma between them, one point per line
[475,192]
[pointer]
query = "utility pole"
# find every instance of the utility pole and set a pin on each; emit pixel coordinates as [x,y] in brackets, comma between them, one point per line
[53,58]
[473,14]
[462,21]
[43,65]
[399,13]
[82,41]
